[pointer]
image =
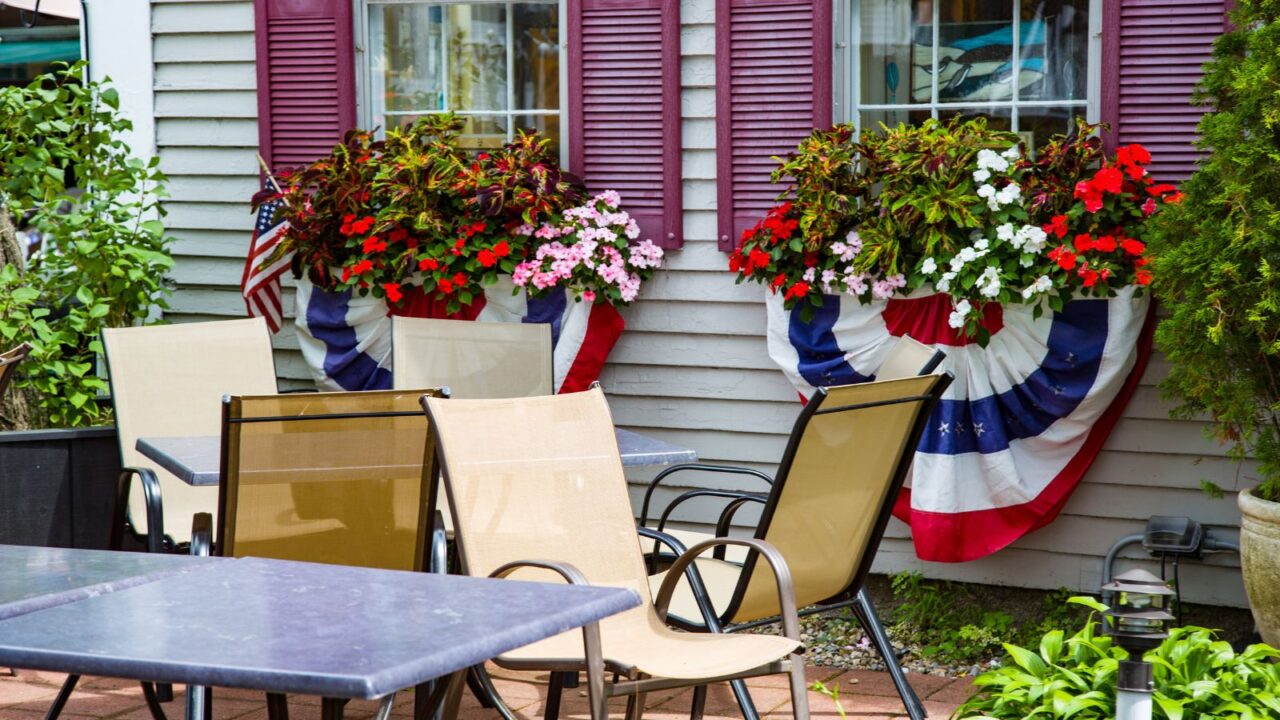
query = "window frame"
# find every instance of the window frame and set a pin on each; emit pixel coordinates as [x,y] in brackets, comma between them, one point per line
[847,108]
[364,57]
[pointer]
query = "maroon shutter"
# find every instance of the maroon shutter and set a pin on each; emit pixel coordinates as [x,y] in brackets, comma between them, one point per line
[1152,53]
[773,87]
[624,107]
[306,78]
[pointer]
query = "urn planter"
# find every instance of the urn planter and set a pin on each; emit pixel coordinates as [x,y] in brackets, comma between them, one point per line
[1260,562]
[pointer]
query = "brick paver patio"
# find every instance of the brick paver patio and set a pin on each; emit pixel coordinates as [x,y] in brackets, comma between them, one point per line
[865,695]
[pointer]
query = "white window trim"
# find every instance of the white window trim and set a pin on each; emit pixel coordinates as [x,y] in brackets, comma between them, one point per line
[364,82]
[847,15]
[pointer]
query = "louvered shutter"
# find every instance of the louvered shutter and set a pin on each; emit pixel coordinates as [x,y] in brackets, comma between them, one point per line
[1153,51]
[624,107]
[306,78]
[773,87]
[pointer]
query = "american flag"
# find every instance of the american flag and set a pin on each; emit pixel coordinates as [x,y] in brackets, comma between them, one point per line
[261,285]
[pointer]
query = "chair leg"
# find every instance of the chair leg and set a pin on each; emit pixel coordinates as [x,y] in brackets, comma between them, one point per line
[164,692]
[277,707]
[699,703]
[551,708]
[153,701]
[482,687]
[332,708]
[743,697]
[799,689]
[635,706]
[64,694]
[870,621]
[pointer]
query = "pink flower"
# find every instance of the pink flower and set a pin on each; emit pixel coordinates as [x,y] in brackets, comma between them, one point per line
[589,296]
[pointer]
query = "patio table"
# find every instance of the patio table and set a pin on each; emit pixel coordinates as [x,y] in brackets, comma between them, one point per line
[196,460]
[281,627]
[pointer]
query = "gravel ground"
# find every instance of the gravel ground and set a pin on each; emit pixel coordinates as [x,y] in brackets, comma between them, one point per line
[836,639]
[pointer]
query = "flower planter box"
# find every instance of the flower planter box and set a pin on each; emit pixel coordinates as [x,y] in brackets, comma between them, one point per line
[57,487]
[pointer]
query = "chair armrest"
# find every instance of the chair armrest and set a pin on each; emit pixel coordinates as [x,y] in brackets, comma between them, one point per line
[727,469]
[202,534]
[781,573]
[438,550]
[571,574]
[726,515]
[695,578]
[154,504]
[738,497]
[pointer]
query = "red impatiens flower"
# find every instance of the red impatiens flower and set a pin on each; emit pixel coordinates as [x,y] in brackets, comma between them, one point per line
[1083,242]
[373,244]
[1160,189]
[357,227]
[1134,154]
[393,291]
[428,264]
[1133,247]
[459,279]
[398,235]
[502,249]
[799,290]
[1148,207]
[1057,226]
[487,258]
[1087,191]
[1108,179]
[735,261]
[1105,243]
[445,286]
[778,281]
[1090,277]
[1064,257]
[1142,277]
[758,260]
[362,267]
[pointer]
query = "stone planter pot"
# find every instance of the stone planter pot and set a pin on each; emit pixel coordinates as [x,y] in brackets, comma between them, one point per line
[57,487]
[1260,562]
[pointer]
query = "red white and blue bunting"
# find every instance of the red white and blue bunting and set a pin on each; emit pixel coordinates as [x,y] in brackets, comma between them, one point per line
[1015,432]
[346,339]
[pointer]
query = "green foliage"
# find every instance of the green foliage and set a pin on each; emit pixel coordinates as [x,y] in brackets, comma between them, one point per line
[1196,676]
[832,692]
[1216,251]
[103,254]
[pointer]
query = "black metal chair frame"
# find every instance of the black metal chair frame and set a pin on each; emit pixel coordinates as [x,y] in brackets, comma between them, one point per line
[853,596]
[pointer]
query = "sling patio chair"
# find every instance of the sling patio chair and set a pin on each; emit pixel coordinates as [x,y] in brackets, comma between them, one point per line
[168,381]
[846,460]
[9,362]
[333,477]
[537,492]
[472,359]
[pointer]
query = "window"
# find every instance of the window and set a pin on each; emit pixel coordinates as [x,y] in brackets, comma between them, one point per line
[1027,65]
[496,64]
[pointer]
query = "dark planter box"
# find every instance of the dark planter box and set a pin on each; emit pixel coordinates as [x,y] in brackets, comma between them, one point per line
[57,487]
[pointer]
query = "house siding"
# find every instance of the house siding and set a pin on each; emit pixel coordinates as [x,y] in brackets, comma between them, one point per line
[692,367]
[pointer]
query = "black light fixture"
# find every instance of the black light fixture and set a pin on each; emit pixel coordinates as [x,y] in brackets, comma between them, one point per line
[1139,616]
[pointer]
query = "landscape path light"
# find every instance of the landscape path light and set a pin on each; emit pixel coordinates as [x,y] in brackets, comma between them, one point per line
[1139,614]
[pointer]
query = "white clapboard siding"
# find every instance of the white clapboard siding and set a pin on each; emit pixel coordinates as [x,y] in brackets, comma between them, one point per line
[692,367]
[207,136]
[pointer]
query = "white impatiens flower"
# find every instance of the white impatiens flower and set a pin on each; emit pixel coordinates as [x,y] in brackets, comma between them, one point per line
[957,263]
[990,160]
[982,175]
[987,191]
[982,244]
[1012,153]
[967,255]
[989,282]
[1005,232]
[1042,285]
[1027,261]
[957,317]
[1008,194]
[1033,238]
[944,283]
[929,266]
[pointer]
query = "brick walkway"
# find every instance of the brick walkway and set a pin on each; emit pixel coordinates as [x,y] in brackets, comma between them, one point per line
[865,696]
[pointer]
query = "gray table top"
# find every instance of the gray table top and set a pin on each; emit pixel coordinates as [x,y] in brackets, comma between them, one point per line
[195,460]
[291,627]
[36,578]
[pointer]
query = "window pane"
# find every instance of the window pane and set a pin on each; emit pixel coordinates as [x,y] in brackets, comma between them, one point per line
[483,132]
[1054,50]
[997,118]
[546,125]
[536,61]
[406,59]
[975,47]
[886,50]
[477,52]
[872,119]
[1037,125]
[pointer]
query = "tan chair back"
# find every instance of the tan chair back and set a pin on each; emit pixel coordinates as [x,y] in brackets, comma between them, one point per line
[836,486]
[168,381]
[9,362]
[325,477]
[538,478]
[472,359]
[909,357]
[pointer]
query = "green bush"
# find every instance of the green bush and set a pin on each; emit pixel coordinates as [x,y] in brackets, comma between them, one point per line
[1216,252]
[1196,677]
[103,253]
